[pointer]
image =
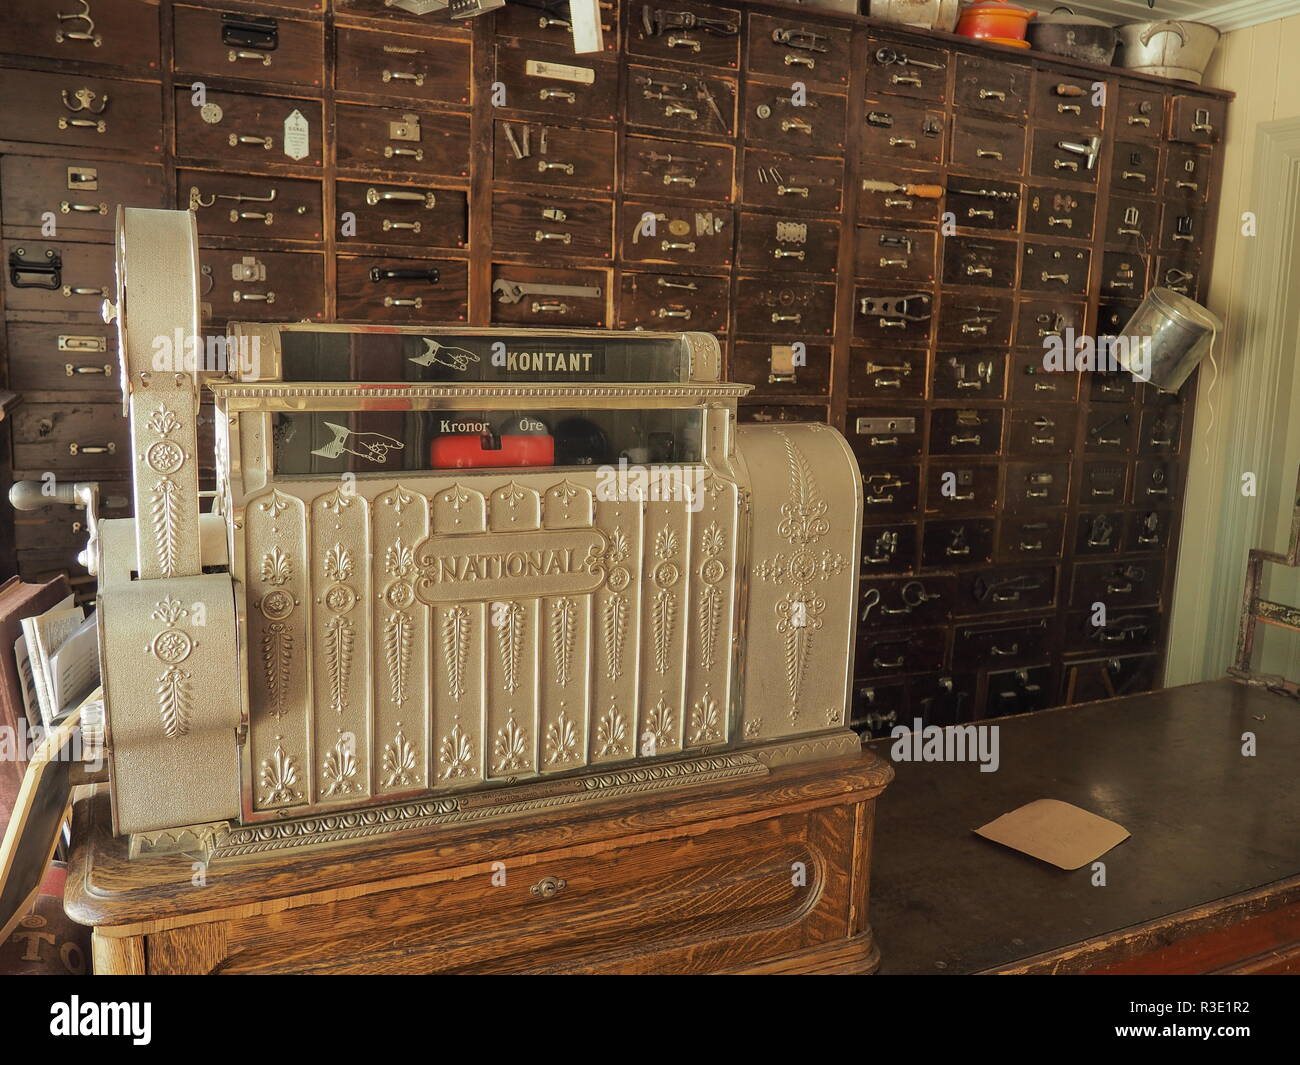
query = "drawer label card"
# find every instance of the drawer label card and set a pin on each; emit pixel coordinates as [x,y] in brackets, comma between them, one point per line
[296,139]
[536,68]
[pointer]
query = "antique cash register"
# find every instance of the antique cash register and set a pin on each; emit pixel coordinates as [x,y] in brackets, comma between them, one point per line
[444,564]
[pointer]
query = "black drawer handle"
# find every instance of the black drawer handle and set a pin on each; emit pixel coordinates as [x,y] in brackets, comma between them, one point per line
[379,274]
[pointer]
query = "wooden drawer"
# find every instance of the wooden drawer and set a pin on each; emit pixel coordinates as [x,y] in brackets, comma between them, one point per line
[252,130]
[1004,644]
[396,67]
[1197,119]
[1181,271]
[888,547]
[889,489]
[943,699]
[902,132]
[770,242]
[238,45]
[1047,159]
[961,488]
[681,235]
[1006,588]
[1135,168]
[949,543]
[1031,485]
[121,33]
[242,205]
[979,261]
[878,708]
[681,101]
[815,126]
[543,225]
[885,315]
[903,602]
[1019,691]
[904,69]
[680,169]
[799,50]
[272,286]
[978,203]
[63,358]
[678,34]
[1125,630]
[884,195]
[1186,174]
[82,195]
[1032,383]
[80,112]
[971,376]
[1156,481]
[898,372]
[787,308]
[889,253]
[1131,222]
[968,319]
[548,26]
[1042,431]
[59,277]
[1106,387]
[536,153]
[965,431]
[1103,482]
[991,83]
[1065,101]
[673,301]
[1110,431]
[1105,678]
[885,432]
[1030,538]
[58,527]
[555,82]
[1160,430]
[384,289]
[987,145]
[585,305]
[414,143]
[773,369]
[1052,212]
[1054,268]
[1123,273]
[1148,530]
[791,183]
[1042,321]
[1140,113]
[1113,314]
[67,437]
[1182,228]
[896,654]
[403,214]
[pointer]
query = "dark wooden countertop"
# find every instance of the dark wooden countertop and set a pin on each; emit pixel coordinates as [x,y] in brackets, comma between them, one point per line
[1207,824]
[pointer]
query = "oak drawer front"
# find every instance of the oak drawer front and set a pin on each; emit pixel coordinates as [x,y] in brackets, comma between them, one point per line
[899,602]
[681,101]
[1160,430]
[1103,482]
[541,226]
[895,654]
[786,308]
[1116,583]
[896,373]
[406,141]
[889,315]
[774,370]
[955,487]
[688,32]
[1031,485]
[1054,268]
[1047,159]
[799,50]
[1032,382]
[1140,113]
[1197,119]
[960,542]
[1044,321]
[901,69]
[813,126]
[1020,691]
[274,286]
[1186,174]
[251,130]
[1113,313]
[241,205]
[397,67]
[546,27]
[682,235]
[771,242]
[1147,531]
[1109,388]
[969,319]
[965,431]
[888,547]
[979,261]
[81,112]
[1156,481]
[679,168]
[986,83]
[971,376]
[1110,431]
[123,33]
[889,489]
[1005,644]
[792,183]
[885,432]
[1182,228]
[1042,431]
[1135,168]
[1065,101]
[1006,588]
[71,436]
[986,144]
[1105,678]
[781,413]
[389,289]
[67,278]
[1053,212]
[63,358]
[902,132]
[884,195]
[556,82]
[514,304]
[895,254]
[56,526]
[1125,630]
[403,214]
[1123,273]
[259,47]
[673,301]
[1131,222]
[82,195]
[979,203]
[556,156]
[1030,538]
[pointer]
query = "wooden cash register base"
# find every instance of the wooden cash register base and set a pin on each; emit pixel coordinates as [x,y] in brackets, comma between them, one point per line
[765,873]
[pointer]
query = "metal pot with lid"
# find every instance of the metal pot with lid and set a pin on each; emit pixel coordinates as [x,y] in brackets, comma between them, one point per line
[1074,36]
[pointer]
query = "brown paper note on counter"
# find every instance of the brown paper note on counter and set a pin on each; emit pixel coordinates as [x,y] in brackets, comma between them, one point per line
[1055,832]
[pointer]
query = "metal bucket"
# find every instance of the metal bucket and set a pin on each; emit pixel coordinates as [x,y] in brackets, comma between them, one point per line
[1165,339]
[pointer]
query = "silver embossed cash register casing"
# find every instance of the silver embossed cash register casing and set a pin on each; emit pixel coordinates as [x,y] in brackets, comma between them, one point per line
[329,655]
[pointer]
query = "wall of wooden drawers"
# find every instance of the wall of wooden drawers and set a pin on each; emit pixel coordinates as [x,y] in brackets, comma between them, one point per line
[379,166]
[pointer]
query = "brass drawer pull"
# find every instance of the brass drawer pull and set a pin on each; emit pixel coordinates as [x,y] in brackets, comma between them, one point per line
[974,330]
[550,307]
[1182,236]
[1101,493]
[265,217]
[1030,545]
[796,124]
[1036,493]
[236,54]
[980,212]
[543,166]
[792,190]
[1192,185]
[667,312]
[1069,109]
[892,323]
[393,301]
[82,208]
[996,650]
[83,290]
[542,234]
[545,23]
[1062,278]
[965,497]
[73,342]
[389,224]
[1125,231]
[673,110]
[972,439]
[956,552]
[979,271]
[557,94]
[70,370]
[236,139]
[684,42]
[1119,589]
[679,179]
[787,253]
[988,153]
[905,79]
[886,262]
[778,318]
[98,125]
[883,441]
[897,663]
[888,382]
[677,245]
[1044,441]
[403,75]
[92,449]
[375,196]
[1067,222]
[800,61]
[1134,175]
[893,202]
[1139,120]
[548,887]
[410,153]
[992,94]
[254,297]
[905,142]
[874,500]
[688,286]
[1157,491]
[1065,164]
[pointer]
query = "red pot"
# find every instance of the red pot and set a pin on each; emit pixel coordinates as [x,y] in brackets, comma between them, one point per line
[994,19]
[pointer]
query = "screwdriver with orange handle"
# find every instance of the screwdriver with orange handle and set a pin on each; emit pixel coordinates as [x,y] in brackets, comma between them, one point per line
[924,192]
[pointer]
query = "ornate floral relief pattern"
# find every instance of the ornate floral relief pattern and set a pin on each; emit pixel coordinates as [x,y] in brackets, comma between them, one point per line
[511,748]
[337,501]
[174,701]
[663,612]
[277,656]
[455,648]
[712,571]
[400,763]
[615,625]
[456,753]
[277,568]
[611,566]
[706,721]
[338,563]
[564,637]
[398,628]
[276,504]
[278,776]
[163,502]
[508,620]
[399,498]
[399,559]
[339,637]
[561,741]
[171,646]
[660,729]
[339,769]
[611,733]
